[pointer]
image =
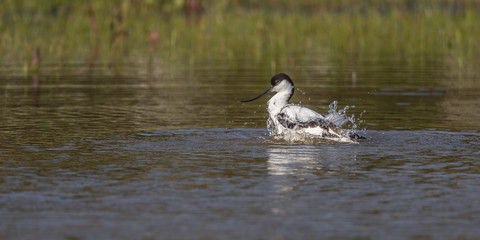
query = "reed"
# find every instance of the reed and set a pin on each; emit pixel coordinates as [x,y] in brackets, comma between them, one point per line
[272,33]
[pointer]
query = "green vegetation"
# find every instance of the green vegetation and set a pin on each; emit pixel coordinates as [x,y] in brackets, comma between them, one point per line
[272,33]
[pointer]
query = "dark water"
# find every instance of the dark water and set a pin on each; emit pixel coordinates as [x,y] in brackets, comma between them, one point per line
[127,153]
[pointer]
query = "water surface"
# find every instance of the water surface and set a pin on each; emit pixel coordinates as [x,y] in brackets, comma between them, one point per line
[126,153]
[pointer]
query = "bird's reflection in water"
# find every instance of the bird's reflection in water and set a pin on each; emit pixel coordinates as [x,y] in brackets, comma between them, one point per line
[294,170]
[291,160]
[304,160]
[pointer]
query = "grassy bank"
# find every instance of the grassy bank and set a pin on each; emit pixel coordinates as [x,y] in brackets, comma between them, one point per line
[175,33]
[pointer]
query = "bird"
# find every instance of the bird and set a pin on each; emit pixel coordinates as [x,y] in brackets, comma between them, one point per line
[286,118]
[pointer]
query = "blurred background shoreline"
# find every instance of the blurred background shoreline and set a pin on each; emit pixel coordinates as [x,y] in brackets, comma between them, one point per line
[190,32]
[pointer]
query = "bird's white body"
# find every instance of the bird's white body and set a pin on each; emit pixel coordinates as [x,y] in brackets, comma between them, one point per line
[293,122]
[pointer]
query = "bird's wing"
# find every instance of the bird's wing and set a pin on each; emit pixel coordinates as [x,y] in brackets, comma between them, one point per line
[297,113]
[292,116]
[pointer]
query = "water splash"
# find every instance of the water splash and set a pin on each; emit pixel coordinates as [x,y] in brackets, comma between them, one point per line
[340,118]
[301,91]
[348,124]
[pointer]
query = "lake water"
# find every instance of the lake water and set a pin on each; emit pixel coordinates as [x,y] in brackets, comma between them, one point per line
[127,152]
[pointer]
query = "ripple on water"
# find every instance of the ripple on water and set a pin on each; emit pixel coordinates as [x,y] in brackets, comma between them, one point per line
[239,183]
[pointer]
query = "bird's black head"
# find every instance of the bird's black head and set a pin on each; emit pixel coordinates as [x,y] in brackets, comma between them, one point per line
[278,78]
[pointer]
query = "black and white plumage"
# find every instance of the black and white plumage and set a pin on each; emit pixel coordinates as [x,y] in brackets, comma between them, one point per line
[287,119]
